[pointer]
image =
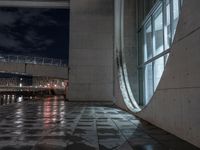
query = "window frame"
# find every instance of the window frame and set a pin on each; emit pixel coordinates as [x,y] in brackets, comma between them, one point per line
[161,5]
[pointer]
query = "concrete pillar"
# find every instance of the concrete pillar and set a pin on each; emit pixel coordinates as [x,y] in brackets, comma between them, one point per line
[91,50]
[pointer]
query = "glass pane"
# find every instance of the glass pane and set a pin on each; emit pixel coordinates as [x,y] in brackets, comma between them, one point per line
[158,24]
[148,82]
[175,15]
[158,70]
[168,23]
[148,42]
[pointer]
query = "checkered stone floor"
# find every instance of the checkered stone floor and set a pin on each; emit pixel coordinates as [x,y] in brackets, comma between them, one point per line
[54,124]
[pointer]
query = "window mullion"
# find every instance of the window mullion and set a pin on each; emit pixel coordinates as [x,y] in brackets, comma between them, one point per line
[165,34]
[171,21]
[153,50]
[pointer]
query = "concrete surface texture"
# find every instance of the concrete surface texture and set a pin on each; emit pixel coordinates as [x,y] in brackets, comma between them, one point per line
[35,70]
[54,124]
[91,50]
[125,48]
[130,44]
[175,104]
[117,69]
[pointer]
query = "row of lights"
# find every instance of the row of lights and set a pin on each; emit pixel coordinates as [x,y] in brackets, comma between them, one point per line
[45,86]
[48,85]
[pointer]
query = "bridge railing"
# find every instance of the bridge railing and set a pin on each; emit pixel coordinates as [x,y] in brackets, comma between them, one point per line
[33,60]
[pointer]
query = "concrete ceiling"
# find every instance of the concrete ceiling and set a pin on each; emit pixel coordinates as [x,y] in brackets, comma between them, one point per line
[35,3]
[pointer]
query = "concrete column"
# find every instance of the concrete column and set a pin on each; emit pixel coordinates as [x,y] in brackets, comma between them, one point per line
[91,50]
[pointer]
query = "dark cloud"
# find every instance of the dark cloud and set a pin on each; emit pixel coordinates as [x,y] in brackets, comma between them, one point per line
[8,18]
[40,32]
[9,42]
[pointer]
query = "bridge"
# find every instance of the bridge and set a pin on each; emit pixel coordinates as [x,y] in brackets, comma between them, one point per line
[34,66]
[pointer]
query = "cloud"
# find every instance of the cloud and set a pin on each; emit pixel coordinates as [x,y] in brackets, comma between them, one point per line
[38,17]
[39,42]
[19,29]
[8,18]
[9,42]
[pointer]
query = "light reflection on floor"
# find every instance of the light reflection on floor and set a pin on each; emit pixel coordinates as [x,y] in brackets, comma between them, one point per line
[54,124]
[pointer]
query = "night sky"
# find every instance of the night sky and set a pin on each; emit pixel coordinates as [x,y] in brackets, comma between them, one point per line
[34,32]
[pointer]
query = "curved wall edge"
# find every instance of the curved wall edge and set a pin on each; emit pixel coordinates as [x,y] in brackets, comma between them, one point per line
[175,106]
[125,42]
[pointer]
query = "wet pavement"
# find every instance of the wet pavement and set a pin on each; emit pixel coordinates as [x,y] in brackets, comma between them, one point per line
[53,124]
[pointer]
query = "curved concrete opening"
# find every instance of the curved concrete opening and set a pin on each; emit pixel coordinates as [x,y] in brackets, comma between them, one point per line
[174,106]
[155,38]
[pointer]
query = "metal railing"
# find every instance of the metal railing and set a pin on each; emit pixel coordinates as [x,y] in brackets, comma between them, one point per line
[33,60]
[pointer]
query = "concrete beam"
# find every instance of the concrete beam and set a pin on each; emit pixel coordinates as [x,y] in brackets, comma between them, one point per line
[59,4]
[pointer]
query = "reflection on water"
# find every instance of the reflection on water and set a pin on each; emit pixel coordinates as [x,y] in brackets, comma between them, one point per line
[47,112]
[30,124]
[39,111]
[53,112]
[18,122]
[55,109]
[20,99]
[13,98]
[29,118]
[62,113]
[7,99]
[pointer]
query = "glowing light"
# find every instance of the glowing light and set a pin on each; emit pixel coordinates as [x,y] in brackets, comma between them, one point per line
[20,99]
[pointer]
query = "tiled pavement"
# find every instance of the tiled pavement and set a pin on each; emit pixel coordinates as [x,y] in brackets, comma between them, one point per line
[53,124]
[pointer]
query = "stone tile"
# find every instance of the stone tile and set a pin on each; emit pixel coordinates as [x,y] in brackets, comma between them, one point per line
[81,146]
[150,147]
[53,124]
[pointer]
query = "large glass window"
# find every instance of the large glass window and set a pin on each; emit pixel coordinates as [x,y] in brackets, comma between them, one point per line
[158,32]
[148,82]
[168,25]
[158,25]
[148,41]
[158,70]
[175,15]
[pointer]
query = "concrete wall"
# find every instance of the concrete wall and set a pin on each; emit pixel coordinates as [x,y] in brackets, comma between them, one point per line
[175,106]
[118,79]
[91,50]
[126,53]
[35,70]
[130,44]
